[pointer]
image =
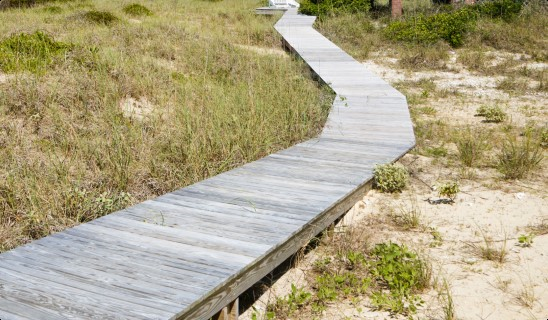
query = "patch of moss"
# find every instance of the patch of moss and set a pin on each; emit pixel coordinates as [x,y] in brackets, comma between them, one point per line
[30,52]
[137,10]
[101,17]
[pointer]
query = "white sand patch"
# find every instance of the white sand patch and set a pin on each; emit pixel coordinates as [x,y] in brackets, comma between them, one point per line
[136,109]
[3,78]
[264,51]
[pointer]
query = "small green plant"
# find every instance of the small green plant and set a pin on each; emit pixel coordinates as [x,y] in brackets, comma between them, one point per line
[449,190]
[526,240]
[491,113]
[436,152]
[437,239]
[101,17]
[31,52]
[352,259]
[390,177]
[403,273]
[286,306]
[519,157]
[330,286]
[137,10]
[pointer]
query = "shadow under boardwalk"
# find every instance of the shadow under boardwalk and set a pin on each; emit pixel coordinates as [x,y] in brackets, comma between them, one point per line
[187,254]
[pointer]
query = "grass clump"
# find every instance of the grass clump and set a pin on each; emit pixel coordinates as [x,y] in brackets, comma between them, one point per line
[137,10]
[519,157]
[323,8]
[32,52]
[403,273]
[493,114]
[471,146]
[101,17]
[390,177]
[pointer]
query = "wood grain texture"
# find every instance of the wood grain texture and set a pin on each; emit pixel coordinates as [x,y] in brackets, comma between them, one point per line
[190,253]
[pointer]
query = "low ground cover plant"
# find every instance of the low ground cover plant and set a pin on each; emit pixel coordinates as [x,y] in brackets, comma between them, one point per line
[391,274]
[390,177]
[491,113]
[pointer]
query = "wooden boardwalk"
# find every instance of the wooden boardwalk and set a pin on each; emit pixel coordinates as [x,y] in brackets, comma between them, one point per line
[189,253]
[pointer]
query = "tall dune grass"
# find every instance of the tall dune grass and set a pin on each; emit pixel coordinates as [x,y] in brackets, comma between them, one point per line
[200,103]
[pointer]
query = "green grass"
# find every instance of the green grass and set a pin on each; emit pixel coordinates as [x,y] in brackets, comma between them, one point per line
[137,10]
[33,52]
[209,106]
[101,17]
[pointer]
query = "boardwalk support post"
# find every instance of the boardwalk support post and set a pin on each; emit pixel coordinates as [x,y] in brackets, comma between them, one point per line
[230,312]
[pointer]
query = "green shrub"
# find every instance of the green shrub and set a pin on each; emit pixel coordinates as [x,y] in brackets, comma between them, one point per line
[30,52]
[390,177]
[499,9]
[136,9]
[491,113]
[101,17]
[448,189]
[519,158]
[448,26]
[322,8]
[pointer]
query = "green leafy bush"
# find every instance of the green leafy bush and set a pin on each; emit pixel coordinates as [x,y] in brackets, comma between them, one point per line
[448,189]
[322,8]
[491,113]
[30,52]
[390,177]
[137,10]
[448,26]
[101,17]
[499,9]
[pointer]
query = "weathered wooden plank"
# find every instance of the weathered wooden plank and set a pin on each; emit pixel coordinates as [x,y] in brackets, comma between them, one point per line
[216,217]
[68,301]
[125,261]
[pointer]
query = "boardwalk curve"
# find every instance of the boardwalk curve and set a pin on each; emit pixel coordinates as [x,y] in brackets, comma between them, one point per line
[189,253]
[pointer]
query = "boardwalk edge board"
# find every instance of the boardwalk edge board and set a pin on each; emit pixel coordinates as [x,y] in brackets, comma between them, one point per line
[190,253]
